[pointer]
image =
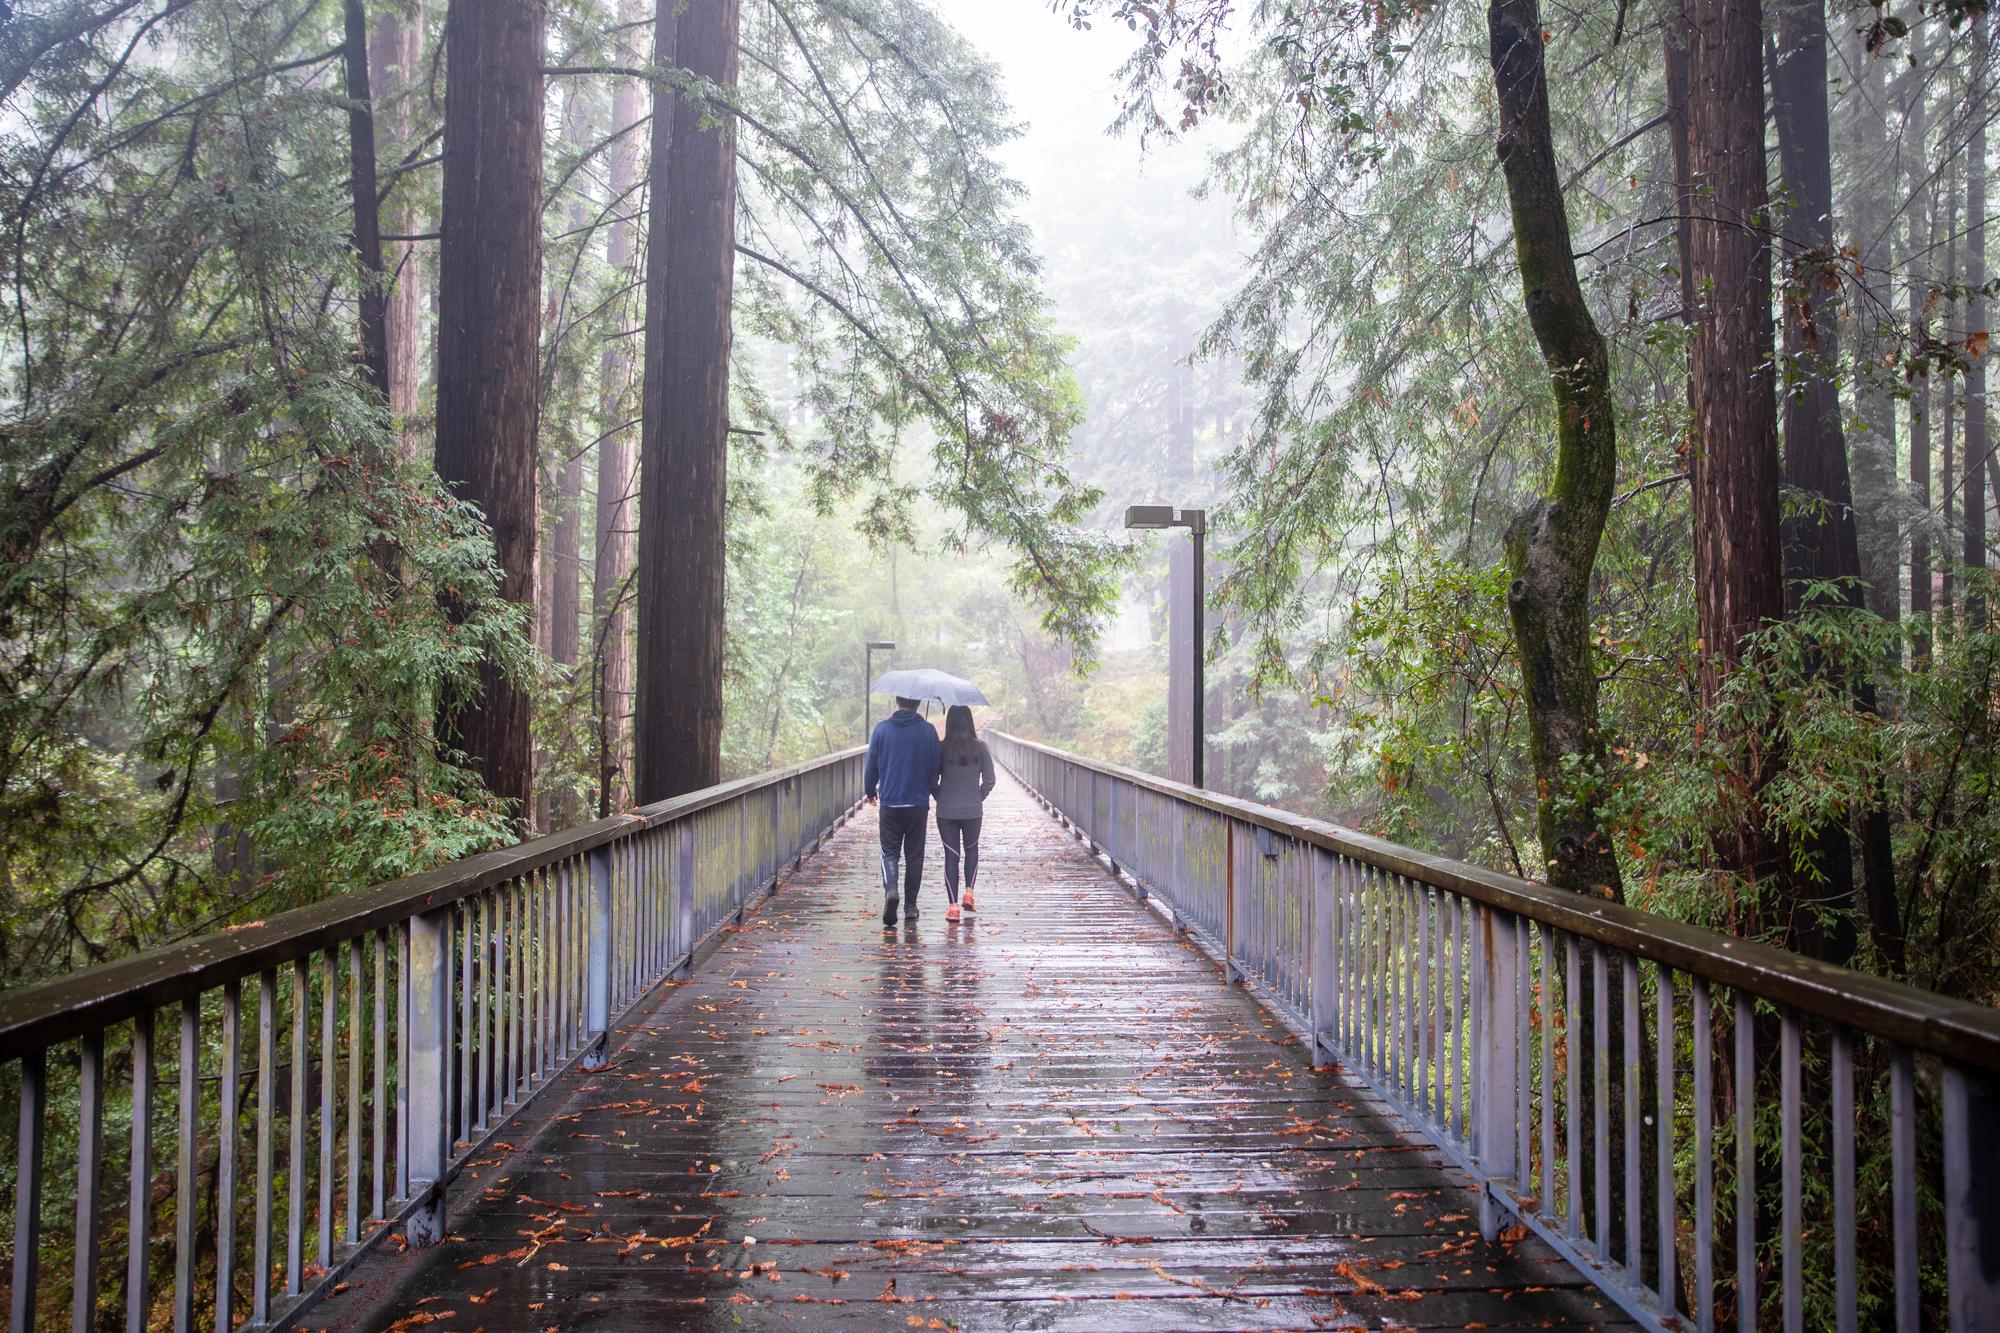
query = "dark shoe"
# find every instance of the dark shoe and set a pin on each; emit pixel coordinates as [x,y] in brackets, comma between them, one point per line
[889,910]
[910,909]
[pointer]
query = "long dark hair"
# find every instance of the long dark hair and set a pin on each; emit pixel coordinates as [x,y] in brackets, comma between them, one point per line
[961,739]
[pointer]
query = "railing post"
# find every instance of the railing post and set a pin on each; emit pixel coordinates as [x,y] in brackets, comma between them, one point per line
[430,1057]
[1090,828]
[28,1192]
[683,945]
[1145,817]
[1231,973]
[597,960]
[1111,832]
[1972,1196]
[1325,985]
[1496,976]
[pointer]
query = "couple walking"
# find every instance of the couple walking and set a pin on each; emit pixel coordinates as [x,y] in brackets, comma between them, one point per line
[907,766]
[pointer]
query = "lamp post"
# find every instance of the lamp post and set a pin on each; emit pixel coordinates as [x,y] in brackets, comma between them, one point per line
[868,651]
[1151,517]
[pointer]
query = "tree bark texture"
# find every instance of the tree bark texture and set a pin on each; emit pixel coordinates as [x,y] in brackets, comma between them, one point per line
[489,300]
[396,58]
[691,229]
[1724,208]
[367,214]
[1552,545]
[611,617]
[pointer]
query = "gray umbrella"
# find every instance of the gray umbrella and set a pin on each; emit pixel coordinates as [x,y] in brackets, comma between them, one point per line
[929,683]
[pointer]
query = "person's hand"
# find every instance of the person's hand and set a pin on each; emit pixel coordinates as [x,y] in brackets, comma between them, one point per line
[871,800]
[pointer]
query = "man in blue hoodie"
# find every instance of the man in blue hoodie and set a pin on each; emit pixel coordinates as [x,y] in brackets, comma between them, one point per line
[903,759]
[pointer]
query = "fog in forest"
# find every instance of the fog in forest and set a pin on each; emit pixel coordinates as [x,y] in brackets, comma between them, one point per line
[454,453]
[991,277]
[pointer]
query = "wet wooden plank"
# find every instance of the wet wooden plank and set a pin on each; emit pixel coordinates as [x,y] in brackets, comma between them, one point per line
[1053,1115]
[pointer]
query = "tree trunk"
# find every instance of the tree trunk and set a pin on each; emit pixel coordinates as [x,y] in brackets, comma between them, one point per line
[566,531]
[566,554]
[1820,540]
[560,607]
[1948,434]
[1724,209]
[1552,545]
[396,56]
[1878,508]
[367,235]
[611,617]
[1821,537]
[1973,508]
[489,280]
[1921,221]
[684,431]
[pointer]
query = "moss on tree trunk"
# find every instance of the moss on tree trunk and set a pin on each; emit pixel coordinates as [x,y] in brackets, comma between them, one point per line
[1552,545]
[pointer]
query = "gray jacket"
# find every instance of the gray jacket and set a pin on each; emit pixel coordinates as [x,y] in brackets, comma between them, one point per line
[962,788]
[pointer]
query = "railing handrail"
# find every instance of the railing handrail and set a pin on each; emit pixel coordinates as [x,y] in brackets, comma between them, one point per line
[1923,1020]
[35,1017]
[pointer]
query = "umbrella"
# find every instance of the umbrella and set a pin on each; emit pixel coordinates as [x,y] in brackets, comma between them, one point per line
[929,683]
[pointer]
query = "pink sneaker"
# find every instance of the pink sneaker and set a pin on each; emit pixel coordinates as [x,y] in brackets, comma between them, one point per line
[951,912]
[967,901]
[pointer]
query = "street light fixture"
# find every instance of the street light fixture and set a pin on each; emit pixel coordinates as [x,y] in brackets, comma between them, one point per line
[868,651]
[1153,517]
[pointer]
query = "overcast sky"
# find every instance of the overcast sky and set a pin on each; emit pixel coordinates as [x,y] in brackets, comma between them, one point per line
[1063,86]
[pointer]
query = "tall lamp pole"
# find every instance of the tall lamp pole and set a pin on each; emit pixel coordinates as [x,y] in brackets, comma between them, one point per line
[1151,517]
[868,651]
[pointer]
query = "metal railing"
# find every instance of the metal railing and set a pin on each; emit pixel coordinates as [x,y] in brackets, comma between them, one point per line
[1631,1089]
[391,1034]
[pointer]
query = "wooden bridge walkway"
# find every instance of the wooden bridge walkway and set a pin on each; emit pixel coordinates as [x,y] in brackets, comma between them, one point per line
[1053,1116]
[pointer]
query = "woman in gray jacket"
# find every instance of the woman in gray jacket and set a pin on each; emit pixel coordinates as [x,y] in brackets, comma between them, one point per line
[965,778]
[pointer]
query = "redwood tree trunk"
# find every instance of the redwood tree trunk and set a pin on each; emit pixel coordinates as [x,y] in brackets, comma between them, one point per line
[560,605]
[1879,504]
[1820,541]
[1724,207]
[1946,609]
[1821,537]
[1921,222]
[565,556]
[684,431]
[1552,545]
[489,302]
[1977,444]
[367,235]
[395,57]
[611,618]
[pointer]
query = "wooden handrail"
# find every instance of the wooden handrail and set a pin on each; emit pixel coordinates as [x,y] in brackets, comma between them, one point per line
[1922,1020]
[35,1017]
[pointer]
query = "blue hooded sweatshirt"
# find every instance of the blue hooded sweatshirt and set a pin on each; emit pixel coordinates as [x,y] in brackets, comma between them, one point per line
[903,757]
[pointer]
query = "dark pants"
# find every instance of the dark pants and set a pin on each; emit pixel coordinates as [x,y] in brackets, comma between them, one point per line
[956,834]
[903,837]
